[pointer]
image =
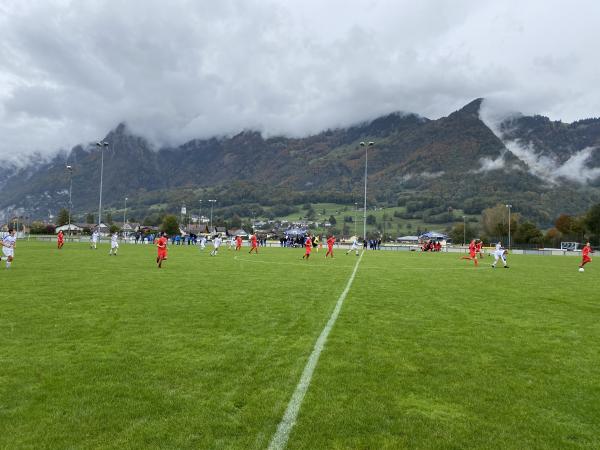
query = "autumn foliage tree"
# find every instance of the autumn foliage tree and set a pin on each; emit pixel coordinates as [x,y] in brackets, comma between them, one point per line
[495,221]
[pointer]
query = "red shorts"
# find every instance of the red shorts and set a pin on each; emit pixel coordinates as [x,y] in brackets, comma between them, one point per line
[472,254]
[587,259]
[308,250]
[162,254]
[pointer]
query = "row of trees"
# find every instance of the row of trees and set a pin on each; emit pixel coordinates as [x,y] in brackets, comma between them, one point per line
[494,226]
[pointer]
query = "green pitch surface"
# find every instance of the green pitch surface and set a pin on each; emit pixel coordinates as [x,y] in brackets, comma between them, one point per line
[427,352]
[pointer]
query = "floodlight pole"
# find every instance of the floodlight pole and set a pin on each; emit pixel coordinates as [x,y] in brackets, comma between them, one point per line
[464,230]
[102,145]
[366,146]
[212,202]
[200,216]
[509,240]
[125,213]
[355,211]
[70,169]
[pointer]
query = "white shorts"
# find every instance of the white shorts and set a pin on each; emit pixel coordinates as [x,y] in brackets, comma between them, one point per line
[8,251]
[501,256]
[114,245]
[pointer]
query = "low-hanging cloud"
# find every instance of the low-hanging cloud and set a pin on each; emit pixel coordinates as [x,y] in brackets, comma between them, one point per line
[548,168]
[488,164]
[178,70]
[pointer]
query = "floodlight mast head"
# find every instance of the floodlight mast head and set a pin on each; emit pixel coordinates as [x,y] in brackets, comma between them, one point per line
[69,168]
[101,144]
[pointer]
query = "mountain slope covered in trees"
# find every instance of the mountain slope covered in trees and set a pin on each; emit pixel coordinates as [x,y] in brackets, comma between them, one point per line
[457,161]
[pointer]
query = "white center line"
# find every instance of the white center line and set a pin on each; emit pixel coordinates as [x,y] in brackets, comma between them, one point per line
[281,436]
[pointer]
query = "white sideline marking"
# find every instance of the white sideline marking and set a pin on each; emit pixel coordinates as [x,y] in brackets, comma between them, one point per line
[281,436]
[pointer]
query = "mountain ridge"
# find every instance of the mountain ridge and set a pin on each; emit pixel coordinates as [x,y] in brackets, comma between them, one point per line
[458,160]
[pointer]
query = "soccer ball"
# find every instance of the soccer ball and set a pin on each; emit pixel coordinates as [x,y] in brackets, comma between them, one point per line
[581,269]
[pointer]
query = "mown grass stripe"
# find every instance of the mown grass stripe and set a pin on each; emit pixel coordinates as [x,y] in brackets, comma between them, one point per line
[281,436]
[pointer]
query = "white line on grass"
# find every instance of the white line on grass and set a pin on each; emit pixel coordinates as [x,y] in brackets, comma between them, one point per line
[281,436]
[278,263]
[320,267]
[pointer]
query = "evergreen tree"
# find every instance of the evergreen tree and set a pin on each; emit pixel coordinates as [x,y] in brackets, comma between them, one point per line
[528,233]
[62,218]
[170,225]
[235,222]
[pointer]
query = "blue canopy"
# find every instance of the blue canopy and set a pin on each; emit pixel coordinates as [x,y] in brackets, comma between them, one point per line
[296,232]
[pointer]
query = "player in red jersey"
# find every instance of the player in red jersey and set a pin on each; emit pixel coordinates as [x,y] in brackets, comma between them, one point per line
[472,252]
[60,239]
[479,248]
[238,243]
[307,246]
[585,255]
[330,242]
[253,244]
[161,244]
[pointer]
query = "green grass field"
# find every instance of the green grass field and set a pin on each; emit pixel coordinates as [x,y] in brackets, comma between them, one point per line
[427,352]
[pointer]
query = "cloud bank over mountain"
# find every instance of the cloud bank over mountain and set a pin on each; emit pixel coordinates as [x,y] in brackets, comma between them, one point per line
[179,70]
[576,168]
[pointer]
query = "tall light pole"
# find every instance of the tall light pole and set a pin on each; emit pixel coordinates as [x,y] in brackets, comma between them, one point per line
[212,202]
[125,213]
[509,240]
[464,230]
[366,146]
[355,211]
[101,145]
[199,215]
[383,217]
[70,169]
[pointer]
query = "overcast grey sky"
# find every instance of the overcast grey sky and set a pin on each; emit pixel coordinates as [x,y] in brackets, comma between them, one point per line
[175,70]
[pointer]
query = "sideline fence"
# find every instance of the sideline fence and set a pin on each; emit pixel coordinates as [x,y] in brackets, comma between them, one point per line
[338,245]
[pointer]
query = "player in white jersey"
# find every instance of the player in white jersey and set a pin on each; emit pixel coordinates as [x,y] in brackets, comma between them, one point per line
[9,243]
[216,244]
[203,243]
[231,243]
[354,246]
[500,253]
[94,239]
[114,244]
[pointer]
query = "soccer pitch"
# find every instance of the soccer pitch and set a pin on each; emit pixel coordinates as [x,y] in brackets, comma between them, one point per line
[427,351]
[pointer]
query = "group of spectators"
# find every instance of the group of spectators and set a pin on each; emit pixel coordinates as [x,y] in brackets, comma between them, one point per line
[190,239]
[431,246]
[141,238]
[292,241]
[374,244]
